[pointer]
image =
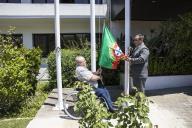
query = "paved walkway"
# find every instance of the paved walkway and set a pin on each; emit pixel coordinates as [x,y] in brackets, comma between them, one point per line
[49,118]
[171,108]
[43,73]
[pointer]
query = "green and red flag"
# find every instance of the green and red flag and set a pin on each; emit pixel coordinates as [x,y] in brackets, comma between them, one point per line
[111,54]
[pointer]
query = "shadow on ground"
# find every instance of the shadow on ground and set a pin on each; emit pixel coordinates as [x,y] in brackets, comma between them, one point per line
[185,90]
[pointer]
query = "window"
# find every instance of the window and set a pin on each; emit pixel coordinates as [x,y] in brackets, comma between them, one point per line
[98,1]
[46,42]
[39,1]
[50,1]
[14,1]
[66,1]
[3,1]
[42,1]
[10,1]
[82,1]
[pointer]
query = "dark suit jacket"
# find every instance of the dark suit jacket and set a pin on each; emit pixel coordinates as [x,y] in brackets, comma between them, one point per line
[139,62]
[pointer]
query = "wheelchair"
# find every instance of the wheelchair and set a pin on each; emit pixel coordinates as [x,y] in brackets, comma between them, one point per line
[70,101]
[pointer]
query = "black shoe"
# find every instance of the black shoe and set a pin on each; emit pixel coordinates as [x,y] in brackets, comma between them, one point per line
[114,109]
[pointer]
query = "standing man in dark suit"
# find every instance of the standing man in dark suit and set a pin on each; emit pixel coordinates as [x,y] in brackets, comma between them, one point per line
[138,59]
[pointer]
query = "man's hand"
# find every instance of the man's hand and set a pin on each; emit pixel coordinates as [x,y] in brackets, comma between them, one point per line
[99,71]
[129,59]
[95,77]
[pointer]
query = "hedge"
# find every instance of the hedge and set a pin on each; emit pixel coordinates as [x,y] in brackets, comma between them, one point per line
[18,70]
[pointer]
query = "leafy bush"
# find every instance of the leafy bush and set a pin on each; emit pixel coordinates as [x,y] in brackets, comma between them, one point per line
[31,105]
[33,58]
[92,109]
[18,70]
[171,51]
[133,110]
[68,65]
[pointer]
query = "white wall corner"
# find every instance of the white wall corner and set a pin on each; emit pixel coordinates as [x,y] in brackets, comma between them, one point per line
[161,82]
[27,40]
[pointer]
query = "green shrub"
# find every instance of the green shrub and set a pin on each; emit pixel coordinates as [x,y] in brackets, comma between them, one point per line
[18,70]
[33,57]
[93,111]
[133,112]
[31,105]
[67,64]
[170,51]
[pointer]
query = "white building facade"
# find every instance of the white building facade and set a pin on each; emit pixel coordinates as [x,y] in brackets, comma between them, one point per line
[34,20]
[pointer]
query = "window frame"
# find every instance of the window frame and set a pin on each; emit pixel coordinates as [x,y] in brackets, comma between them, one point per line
[8,1]
[46,2]
[88,2]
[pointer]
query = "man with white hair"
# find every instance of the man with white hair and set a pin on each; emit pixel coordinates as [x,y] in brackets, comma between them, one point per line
[85,75]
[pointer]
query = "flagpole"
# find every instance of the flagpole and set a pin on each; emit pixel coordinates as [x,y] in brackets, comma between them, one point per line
[59,105]
[127,44]
[93,44]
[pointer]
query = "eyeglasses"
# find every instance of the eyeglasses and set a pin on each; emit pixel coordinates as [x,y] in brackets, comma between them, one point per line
[136,39]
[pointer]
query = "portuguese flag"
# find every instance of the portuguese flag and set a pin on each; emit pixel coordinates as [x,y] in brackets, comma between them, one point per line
[111,54]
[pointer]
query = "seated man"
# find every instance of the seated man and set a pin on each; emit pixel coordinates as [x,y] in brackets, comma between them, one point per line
[83,74]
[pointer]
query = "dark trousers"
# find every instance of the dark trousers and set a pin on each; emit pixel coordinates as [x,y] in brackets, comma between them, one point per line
[139,83]
[103,92]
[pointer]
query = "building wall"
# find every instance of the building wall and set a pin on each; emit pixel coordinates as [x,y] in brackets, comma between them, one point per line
[144,27]
[27,27]
[28,10]
[162,82]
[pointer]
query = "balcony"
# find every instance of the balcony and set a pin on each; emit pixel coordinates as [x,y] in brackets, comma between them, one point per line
[27,10]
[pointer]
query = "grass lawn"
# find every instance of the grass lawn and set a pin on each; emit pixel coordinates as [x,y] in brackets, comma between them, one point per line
[21,118]
[14,123]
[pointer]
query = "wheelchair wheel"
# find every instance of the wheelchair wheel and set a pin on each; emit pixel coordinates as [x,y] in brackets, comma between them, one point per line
[69,105]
